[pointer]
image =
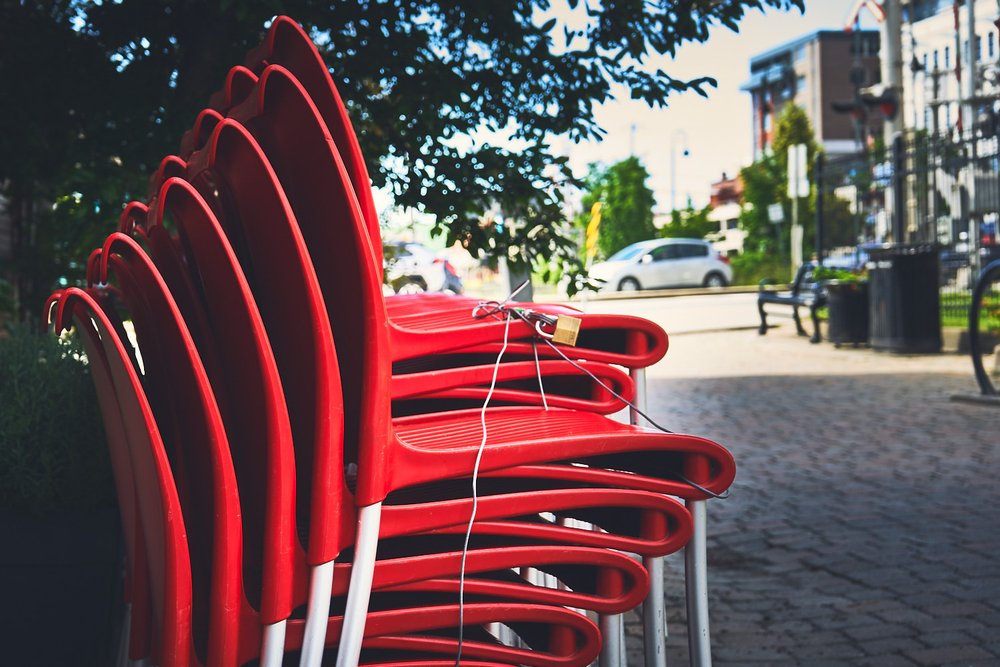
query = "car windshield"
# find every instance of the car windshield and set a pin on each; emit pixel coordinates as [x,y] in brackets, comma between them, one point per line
[628,252]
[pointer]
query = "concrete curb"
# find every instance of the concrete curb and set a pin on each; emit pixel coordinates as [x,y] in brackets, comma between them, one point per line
[977,399]
[661,293]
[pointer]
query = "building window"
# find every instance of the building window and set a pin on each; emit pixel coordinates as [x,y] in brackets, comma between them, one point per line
[732,223]
[935,60]
[800,53]
[925,62]
[989,45]
[979,47]
[800,84]
[947,57]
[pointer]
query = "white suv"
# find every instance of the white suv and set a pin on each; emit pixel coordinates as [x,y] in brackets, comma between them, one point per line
[663,263]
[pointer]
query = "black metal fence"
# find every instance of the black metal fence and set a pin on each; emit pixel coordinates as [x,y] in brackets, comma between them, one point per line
[937,189]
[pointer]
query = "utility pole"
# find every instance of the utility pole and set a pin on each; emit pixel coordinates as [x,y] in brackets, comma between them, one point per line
[892,77]
[970,96]
[972,57]
[798,186]
[892,64]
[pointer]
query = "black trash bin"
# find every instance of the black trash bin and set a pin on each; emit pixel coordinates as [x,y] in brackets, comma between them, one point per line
[847,309]
[904,302]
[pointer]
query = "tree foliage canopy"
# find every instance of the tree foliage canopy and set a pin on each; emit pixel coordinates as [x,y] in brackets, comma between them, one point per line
[104,89]
[626,204]
[765,182]
[690,223]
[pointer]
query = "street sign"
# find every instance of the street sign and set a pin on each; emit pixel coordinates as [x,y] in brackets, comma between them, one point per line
[798,178]
[775,213]
[798,187]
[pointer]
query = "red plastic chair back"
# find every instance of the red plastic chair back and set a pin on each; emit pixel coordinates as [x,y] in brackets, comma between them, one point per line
[136,585]
[288,45]
[160,507]
[239,81]
[196,137]
[238,182]
[285,124]
[246,382]
[133,217]
[171,165]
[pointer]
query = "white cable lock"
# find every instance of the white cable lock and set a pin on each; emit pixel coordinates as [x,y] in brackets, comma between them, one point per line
[475,498]
[538,372]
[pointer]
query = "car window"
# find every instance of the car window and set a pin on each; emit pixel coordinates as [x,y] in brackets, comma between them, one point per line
[628,252]
[692,250]
[664,252]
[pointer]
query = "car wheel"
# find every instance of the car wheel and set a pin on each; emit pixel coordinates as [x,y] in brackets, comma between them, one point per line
[411,286]
[629,285]
[715,280]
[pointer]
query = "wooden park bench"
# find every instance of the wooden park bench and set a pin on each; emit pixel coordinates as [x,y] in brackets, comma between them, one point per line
[803,293]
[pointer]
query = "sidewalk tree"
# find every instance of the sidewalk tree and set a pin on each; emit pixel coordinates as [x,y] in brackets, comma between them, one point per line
[626,204]
[103,90]
[689,223]
[765,182]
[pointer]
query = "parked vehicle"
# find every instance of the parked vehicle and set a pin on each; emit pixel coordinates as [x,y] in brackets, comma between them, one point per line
[855,260]
[661,263]
[410,268]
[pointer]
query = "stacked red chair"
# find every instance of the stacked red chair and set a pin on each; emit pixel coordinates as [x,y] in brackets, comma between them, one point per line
[307,469]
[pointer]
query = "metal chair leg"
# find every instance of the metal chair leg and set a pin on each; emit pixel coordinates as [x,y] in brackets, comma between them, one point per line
[696,583]
[272,647]
[317,614]
[360,587]
[123,640]
[612,632]
[654,620]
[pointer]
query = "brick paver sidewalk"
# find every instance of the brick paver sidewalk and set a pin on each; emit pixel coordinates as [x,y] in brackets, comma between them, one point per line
[863,528]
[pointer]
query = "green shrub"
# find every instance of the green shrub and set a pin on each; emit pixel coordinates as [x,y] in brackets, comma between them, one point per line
[840,275]
[752,267]
[52,449]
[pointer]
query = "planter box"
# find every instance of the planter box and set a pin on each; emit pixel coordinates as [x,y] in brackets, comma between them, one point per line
[847,308]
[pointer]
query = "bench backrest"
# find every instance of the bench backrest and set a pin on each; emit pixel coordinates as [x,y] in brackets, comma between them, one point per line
[803,278]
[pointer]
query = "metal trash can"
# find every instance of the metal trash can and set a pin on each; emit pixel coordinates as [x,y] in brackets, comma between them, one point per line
[847,311]
[904,301]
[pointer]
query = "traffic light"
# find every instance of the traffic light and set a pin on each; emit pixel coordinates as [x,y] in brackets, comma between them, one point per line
[883,97]
[879,96]
[855,107]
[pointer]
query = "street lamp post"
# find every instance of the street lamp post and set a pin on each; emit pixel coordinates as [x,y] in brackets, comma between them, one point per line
[677,134]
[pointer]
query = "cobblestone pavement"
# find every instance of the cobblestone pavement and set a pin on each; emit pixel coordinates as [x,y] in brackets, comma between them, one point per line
[863,527]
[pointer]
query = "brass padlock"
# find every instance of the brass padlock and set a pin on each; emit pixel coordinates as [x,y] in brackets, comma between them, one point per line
[567,330]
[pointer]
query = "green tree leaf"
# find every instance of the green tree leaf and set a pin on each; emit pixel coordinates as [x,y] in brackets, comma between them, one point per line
[626,204]
[103,90]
